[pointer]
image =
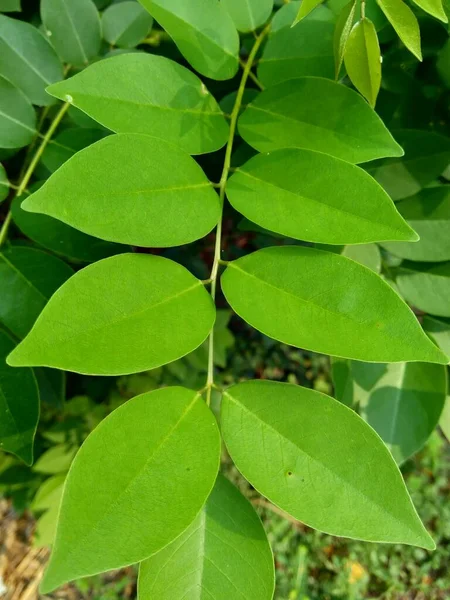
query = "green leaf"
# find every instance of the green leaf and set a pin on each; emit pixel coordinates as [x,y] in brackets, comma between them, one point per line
[73,28]
[140,93]
[366,254]
[285,16]
[306,7]
[444,423]
[344,24]
[161,198]
[4,184]
[341,373]
[306,49]
[60,238]
[27,60]
[126,24]
[56,460]
[203,31]
[439,330]
[52,387]
[363,60]
[434,8]
[225,550]
[316,114]
[426,286]
[427,155]
[428,213]
[50,490]
[19,405]
[311,456]
[66,144]
[29,277]
[17,117]
[248,15]
[314,197]
[48,498]
[139,481]
[404,21]
[125,314]
[402,402]
[10,6]
[302,296]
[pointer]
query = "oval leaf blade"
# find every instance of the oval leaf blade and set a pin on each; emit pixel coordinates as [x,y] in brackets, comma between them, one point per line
[203,31]
[311,455]
[326,303]
[404,21]
[433,7]
[125,314]
[124,93]
[19,405]
[314,197]
[316,114]
[125,24]
[73,28]
[224,550]
[161,198]
[363,60]
[250,14]
[344,24]
[17,117]
[119,483]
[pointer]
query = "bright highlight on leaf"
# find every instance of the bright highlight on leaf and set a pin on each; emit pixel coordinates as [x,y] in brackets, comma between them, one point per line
[224,550]
[326,303]
[113,318]
[140,93]
[314,197]
[137,483]
[404,21]
[344,24]
[160,198]
[295,446]
[316,114]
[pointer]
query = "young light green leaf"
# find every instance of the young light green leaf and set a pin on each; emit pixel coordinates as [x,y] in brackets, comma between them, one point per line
[73,29]
[56,460]
[17,117]
[48,498]
[426,286]
[306,7]
[402,402]
[316,114]
[311,456]
[50,490]
[404,21]
[58,237]
[27,60]
[316,198]
[67,143]
[303,297]
[434,8]
[126,24]
[19,405]
[29,277]
[4,183]
[140,93]
[306,49]
[161,198]
[344,24]
[224,550]
[427,154]
[285,16]
[363,60]
[428,213]
[139,480]
[125,314]
[203,31]
[248,15]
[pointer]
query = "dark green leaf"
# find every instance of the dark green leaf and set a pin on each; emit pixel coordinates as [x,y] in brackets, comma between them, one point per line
[125,314]
[248,15]
[426,287]
[17,117]
[66,144]
[316,114]
[126,24]
[303,297]
[19,405]
[138,481]
[4,183]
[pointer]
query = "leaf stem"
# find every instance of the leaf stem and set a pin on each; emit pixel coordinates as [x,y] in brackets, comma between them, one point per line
[363,9]
[223,181]
[31,167]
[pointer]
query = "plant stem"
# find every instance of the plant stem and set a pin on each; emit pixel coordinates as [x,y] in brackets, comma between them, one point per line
[363,9]
[31,167]
[223,181]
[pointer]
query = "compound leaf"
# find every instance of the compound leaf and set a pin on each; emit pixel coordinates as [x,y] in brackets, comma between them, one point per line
[224,550]
[303,297]
[161,198]
[142,93]
[138,481]
[125,314]
[314,197]
[311,456]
